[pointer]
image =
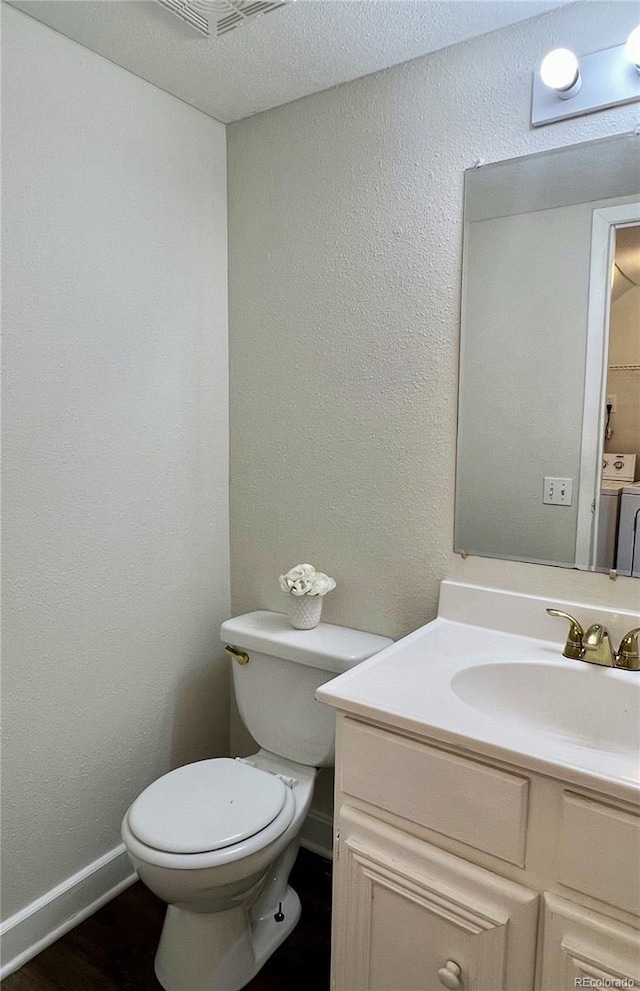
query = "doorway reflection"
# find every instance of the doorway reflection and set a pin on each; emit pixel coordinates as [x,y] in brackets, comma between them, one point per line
[619,513]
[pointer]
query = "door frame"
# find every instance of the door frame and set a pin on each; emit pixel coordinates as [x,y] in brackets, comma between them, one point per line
[603,227]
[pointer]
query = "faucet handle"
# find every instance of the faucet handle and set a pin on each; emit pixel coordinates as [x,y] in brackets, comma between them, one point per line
[628,656]
[574,647]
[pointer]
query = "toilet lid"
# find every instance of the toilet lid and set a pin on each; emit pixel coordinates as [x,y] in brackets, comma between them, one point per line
[206,806]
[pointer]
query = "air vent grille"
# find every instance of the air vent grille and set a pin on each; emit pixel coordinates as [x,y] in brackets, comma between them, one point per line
[185,10]
[227,14]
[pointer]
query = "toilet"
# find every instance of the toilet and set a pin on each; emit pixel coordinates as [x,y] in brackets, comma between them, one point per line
[217,839]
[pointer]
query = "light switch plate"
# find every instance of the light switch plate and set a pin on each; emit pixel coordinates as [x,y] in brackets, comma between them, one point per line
[557,491]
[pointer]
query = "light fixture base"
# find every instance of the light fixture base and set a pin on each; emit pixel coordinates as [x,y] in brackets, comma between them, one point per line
[571,91]
[608,80]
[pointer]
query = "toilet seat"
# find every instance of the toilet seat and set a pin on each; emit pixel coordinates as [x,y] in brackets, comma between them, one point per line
[207,805]
[254,839]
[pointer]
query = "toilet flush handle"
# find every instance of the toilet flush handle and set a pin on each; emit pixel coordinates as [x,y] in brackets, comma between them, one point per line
[240,655]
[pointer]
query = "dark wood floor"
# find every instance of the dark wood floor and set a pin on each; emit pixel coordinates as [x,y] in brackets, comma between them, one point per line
[114,949]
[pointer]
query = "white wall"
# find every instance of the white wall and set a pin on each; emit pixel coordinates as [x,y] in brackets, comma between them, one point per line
[115,452]
[345,237]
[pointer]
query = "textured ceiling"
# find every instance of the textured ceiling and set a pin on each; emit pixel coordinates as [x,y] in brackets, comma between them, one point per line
[298,49]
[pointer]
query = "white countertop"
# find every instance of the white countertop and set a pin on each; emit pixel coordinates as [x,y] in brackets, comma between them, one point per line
[585,729]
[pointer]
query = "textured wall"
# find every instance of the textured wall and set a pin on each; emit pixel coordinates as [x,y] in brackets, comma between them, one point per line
[115,449]
[345,235]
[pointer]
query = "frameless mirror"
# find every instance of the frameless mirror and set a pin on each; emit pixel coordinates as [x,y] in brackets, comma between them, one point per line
[550,359]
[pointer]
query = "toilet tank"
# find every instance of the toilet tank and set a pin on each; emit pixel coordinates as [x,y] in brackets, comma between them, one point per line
[275,689]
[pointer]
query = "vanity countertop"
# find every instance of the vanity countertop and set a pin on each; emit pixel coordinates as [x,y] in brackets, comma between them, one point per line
[510,697]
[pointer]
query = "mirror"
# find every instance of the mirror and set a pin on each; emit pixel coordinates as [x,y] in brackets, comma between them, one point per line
[550,359]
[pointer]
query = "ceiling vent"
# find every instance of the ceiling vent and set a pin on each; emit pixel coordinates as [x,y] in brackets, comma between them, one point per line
[225,14]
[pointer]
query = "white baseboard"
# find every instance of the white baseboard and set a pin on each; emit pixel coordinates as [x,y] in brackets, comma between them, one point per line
[35,927]
[49,917]
[317,834]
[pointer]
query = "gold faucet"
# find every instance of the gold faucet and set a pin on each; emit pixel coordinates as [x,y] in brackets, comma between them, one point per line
[597,646]
[628,656]
[594,645]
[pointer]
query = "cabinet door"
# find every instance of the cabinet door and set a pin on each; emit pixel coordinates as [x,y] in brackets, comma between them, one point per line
[410,917]
[582,948]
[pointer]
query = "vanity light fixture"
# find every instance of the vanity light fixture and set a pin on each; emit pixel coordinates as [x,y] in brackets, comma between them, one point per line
[560,71]
[568,86]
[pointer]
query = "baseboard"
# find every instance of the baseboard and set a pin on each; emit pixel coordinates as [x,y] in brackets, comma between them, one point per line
[317,834]
[49,917]
[35,927]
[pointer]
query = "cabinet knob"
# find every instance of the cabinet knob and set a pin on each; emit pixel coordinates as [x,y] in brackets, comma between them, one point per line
[449,975]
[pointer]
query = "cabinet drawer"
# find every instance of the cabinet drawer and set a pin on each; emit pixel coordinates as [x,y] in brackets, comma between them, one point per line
[468,801]
[600,851]
[583,949]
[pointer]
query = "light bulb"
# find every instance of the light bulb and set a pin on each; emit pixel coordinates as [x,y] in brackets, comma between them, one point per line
[632,47]
[559,71]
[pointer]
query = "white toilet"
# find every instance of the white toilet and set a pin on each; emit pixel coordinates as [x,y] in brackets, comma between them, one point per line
[217,839]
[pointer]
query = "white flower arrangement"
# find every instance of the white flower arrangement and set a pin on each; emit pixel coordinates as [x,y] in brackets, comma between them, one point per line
[305,580]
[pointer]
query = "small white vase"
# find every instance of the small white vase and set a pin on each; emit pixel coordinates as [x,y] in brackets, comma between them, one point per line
[304,611]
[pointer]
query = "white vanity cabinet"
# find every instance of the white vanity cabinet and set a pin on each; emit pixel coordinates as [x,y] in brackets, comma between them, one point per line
[455,871]
[409,915]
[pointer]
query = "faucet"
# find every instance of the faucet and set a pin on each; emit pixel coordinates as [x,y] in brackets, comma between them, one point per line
[594,645]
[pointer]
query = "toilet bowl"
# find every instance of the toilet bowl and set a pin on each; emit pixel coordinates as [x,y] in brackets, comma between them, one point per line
[217,839]
[211,880]
[250,812]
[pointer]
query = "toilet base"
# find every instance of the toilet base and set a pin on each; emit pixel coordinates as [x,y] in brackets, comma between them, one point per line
[221,951]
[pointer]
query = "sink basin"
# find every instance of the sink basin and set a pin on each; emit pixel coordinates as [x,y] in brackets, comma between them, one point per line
[586,705]
[488,676]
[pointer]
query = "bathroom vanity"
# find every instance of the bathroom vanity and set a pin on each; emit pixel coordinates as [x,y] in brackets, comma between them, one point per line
[487,826]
